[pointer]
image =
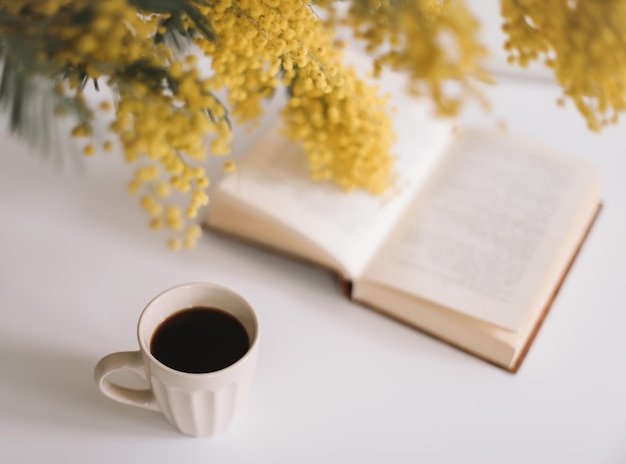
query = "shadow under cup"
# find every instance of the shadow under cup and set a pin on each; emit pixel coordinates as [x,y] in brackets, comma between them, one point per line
[197,404]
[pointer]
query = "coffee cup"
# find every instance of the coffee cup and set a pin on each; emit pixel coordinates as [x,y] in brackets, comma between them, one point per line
[198,348]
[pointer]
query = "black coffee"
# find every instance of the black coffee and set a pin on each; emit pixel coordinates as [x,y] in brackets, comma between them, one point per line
[199,340]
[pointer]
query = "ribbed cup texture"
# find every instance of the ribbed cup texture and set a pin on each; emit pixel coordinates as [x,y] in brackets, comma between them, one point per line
[199,413]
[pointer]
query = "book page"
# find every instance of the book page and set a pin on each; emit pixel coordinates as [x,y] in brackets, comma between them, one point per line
[274,178]
[482,240]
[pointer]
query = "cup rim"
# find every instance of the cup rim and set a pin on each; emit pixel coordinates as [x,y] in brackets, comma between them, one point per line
[145,349]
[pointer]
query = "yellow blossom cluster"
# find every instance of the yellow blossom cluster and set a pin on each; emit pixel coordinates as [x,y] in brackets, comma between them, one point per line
[160,130]
[79,44]
[167,116]
[583,42]
[342,122]
[434,42]
[344,128]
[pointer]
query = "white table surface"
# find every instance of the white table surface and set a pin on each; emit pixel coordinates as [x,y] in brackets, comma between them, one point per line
[335,382]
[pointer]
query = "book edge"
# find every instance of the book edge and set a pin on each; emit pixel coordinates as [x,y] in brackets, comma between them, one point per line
[537,326]
[513,368]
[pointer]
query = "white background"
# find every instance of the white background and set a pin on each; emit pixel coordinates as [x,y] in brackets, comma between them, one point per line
[335,382]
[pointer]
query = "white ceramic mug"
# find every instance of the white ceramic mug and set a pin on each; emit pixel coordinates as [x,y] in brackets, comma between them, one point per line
[197,404]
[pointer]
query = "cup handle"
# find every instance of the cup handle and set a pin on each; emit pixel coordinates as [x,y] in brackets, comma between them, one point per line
[122,361]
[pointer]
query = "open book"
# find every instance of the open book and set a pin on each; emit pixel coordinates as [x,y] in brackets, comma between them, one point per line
[470,246]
